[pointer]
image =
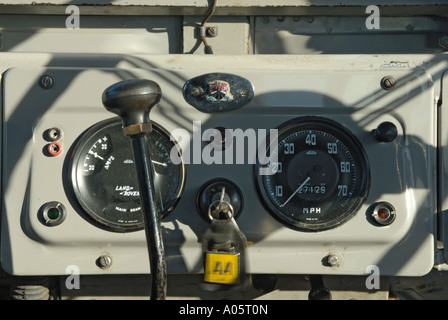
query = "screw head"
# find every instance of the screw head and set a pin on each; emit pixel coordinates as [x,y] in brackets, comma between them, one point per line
[388,82]
[333,260]
[46,82]
[443,42]
[104,261]
[196,91]
[211,32]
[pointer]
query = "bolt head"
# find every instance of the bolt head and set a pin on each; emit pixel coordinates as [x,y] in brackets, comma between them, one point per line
[46,82]
[211,32]
[333,260]
[104,261]
[443,42]
[388,82]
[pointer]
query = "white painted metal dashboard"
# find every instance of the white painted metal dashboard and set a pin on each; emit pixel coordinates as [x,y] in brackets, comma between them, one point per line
[346,89]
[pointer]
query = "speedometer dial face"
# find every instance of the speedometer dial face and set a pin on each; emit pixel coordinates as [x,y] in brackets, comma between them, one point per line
[104,178]
[322,174]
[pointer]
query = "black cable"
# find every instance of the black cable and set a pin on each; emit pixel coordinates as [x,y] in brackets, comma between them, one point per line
[208,49]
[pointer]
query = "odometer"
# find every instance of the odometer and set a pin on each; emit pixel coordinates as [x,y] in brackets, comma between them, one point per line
[322,174]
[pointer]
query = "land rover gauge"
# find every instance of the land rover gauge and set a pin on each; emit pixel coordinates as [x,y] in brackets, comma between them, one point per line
[104,178]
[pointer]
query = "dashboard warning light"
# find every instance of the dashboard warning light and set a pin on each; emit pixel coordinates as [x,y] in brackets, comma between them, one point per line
[52,213]
[55,149]
[384,213]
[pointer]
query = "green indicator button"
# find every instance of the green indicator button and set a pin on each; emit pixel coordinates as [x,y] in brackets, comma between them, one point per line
[53,213]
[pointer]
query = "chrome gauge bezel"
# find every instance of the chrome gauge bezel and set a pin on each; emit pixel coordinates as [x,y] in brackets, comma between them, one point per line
[76,163]
[314,212]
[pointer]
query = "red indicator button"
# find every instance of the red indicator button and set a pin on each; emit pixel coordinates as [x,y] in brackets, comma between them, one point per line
[55,149]
[383,213]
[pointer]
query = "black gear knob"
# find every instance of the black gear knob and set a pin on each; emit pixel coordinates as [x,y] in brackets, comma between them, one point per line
[132,100]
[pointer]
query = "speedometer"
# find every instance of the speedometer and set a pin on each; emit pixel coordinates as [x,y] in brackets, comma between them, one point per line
[321,174]
[104,178]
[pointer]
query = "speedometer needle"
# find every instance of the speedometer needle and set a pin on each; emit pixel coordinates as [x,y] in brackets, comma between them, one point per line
[297,190]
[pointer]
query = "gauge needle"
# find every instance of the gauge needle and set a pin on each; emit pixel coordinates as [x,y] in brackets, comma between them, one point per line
[297,190]
[159,163]
[96,155]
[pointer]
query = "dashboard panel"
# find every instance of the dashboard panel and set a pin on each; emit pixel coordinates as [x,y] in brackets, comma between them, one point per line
[398,176]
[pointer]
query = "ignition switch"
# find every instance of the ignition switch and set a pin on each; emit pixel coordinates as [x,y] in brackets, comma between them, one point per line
[210,196]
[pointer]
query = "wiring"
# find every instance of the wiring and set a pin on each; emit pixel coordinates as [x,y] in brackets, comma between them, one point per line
[211,11]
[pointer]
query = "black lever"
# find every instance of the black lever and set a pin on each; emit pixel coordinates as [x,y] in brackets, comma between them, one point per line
[318,290]
[132,100]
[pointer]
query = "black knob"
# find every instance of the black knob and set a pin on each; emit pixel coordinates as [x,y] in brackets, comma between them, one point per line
[318,290]
[132,100]
[319,294]
[385,132]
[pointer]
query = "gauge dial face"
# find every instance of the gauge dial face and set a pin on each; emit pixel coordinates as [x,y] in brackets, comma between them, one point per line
[104,178]
[322,174]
